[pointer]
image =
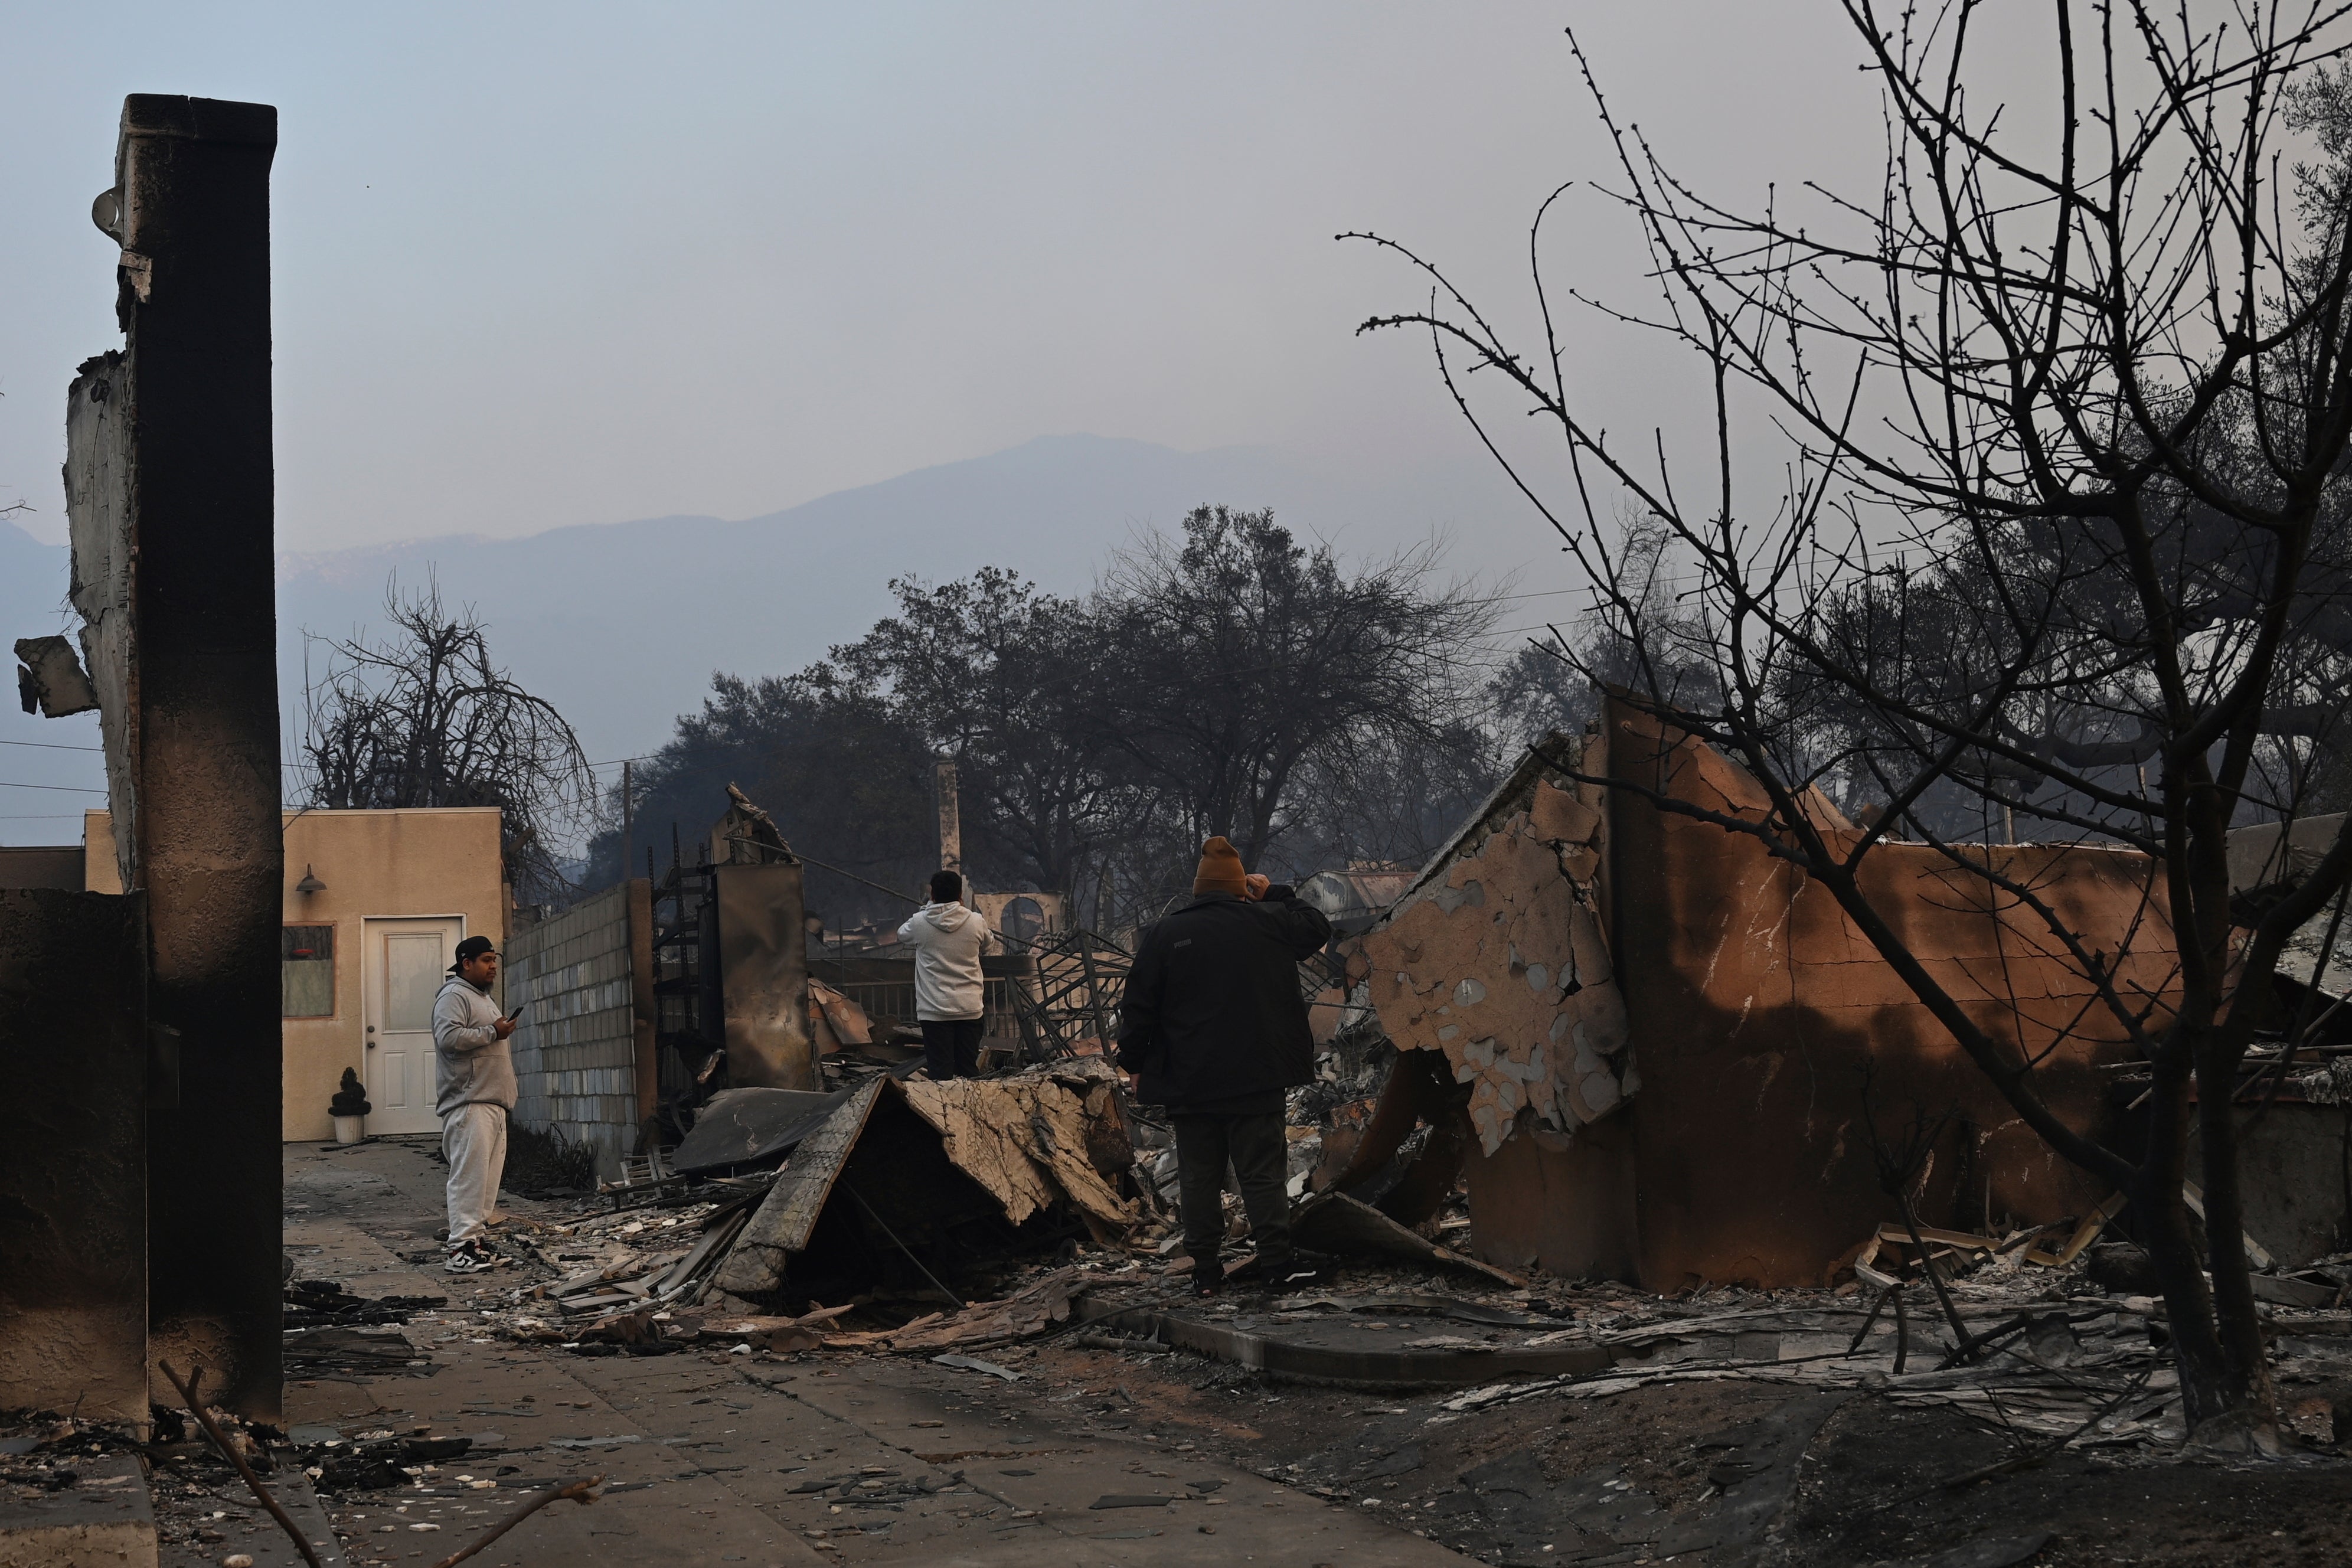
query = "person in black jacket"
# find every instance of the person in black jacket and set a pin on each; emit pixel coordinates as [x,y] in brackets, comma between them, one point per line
[1214,1028]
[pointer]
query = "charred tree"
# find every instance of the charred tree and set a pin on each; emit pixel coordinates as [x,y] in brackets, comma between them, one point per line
[426,717]
[2050,530]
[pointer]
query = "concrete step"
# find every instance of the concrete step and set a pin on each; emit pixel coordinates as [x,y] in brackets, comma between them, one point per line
[104,1521]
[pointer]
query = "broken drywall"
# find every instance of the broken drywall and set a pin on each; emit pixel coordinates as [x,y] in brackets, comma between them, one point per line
[1024,1138]
[1498,960]
[926,1156]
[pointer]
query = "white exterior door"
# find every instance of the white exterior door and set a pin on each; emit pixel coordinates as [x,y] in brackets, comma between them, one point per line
[405,964]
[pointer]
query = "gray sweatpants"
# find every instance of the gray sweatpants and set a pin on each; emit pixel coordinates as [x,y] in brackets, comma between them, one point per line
[473,1142]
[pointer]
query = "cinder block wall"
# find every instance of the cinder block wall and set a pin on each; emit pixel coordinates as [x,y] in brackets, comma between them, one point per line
[575,1050]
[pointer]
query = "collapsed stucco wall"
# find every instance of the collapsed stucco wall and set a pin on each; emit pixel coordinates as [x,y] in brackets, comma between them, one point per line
[1769,1028]
[1677,1041]
[587,1025]
[1497,959]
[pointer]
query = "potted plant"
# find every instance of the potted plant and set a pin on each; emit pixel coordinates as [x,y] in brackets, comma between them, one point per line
[349,1108]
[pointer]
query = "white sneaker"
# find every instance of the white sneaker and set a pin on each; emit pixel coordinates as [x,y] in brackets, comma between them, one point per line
[467,1258]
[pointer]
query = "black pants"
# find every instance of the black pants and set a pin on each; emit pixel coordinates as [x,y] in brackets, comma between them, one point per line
[1260,1156]
[951,1048]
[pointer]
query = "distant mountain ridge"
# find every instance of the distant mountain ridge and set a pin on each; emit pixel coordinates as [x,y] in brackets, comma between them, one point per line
[621,625]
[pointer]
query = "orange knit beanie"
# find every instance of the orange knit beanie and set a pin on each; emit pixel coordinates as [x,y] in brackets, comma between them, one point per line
[1221,869]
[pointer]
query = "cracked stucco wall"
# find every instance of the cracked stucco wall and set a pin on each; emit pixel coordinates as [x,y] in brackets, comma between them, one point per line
[1500,962]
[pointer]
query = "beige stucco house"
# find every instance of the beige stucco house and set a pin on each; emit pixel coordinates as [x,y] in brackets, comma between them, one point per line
[376,903]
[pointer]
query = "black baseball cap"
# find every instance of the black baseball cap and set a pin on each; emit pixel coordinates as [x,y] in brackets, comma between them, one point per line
[473,947]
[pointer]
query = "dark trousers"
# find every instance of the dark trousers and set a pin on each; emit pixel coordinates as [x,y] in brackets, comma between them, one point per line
[1260,1156]
[951,1048]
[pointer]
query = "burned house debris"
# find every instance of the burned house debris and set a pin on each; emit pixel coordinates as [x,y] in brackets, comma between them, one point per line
[649,1002]
[962,1168]
[1685,1109]
[1673,1044]
[1642,1180]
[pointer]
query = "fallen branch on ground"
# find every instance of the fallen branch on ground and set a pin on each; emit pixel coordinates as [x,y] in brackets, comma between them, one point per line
[583,1492]
[2020,1324]
[2027,1459]
[220,1440]
[1871,1322]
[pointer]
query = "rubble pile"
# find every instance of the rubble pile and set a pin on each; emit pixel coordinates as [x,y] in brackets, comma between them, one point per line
[45,1452]
[790,1221]
[889,1216]
[2050,1358]
[906,1217]
[312,1303]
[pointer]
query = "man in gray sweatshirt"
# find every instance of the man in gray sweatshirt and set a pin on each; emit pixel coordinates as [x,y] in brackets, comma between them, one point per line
[475,1081]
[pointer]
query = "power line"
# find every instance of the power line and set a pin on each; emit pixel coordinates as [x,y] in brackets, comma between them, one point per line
[61,789]
[51,746]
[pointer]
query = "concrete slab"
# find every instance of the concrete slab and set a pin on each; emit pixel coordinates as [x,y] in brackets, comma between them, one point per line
[1056,1469]
[552,1426]
[103,1521]
[717,1458]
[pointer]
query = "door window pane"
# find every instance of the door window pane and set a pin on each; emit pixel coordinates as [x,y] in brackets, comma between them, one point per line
[307,971]
[414,967]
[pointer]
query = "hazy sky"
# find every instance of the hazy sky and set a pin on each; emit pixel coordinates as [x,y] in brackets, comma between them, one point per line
[539,265]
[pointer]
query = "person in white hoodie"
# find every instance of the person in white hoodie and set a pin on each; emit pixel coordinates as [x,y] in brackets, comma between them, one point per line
[948,938]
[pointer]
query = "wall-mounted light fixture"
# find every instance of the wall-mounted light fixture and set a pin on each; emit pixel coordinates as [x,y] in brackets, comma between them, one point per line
[309,882]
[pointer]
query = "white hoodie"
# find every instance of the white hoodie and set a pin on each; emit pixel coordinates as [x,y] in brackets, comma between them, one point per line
[947,940]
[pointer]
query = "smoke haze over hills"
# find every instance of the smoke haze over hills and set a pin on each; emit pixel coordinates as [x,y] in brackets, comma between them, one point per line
[621,625]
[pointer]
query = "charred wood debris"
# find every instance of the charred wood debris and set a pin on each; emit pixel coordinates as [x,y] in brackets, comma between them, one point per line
[969,1223]
[817,1226]
[2044,1336]
[1062,1224]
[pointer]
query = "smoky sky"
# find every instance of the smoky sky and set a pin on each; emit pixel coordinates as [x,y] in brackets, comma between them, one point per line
[540,265]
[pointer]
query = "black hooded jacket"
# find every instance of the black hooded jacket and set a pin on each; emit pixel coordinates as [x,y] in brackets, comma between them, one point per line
[1211,1010]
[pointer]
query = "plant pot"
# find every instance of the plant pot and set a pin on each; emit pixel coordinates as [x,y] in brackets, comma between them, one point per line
[347,1128]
